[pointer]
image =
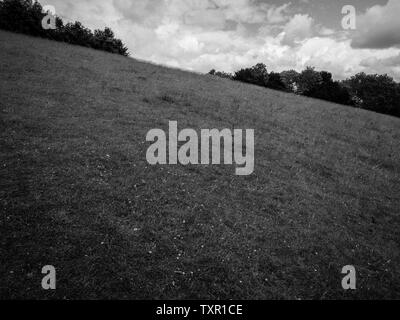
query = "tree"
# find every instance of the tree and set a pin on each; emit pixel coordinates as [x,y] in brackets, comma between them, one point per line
[291,79]
[329,90]
[375,92]
[309,79]
[275,82]
[379,93]
[105,40]
[257,74]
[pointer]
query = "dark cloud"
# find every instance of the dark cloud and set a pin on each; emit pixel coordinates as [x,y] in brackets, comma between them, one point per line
[379,27]
[389,65]
[373,62]
[377,40]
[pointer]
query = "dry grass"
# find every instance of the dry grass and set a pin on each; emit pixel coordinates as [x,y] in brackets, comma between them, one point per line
[76,191]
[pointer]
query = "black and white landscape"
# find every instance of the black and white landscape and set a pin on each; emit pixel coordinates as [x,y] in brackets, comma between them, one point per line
[206,149]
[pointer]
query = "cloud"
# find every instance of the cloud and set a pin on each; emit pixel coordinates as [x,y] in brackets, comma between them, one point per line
[227,35]
[379,27]
[278,14]
[326,31]
[390,65]
[191,44]
[298,28]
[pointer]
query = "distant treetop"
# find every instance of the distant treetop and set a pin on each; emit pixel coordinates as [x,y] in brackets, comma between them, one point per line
[379,93]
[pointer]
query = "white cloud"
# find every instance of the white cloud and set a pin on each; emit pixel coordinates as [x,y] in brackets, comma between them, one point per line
[300,27]
[190,44]
[278,14]
[326,31]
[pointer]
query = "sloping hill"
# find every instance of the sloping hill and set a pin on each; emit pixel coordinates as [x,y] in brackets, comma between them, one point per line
[76,191]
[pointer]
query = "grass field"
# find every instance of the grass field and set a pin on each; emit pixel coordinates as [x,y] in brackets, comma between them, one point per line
[76,191]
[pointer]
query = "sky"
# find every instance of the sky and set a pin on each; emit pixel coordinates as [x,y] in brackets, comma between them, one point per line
[227,35]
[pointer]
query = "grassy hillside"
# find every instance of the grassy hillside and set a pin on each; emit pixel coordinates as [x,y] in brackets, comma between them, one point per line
[76,191]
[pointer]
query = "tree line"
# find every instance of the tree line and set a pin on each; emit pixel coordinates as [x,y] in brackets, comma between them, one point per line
[379,93]
[26,16]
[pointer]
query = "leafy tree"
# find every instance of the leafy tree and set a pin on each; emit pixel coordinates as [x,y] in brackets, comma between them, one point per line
[309,79]
[329,90]
[275,82]
[78,34]
[375,92]
[291,79]
[16,15]
[257,74]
